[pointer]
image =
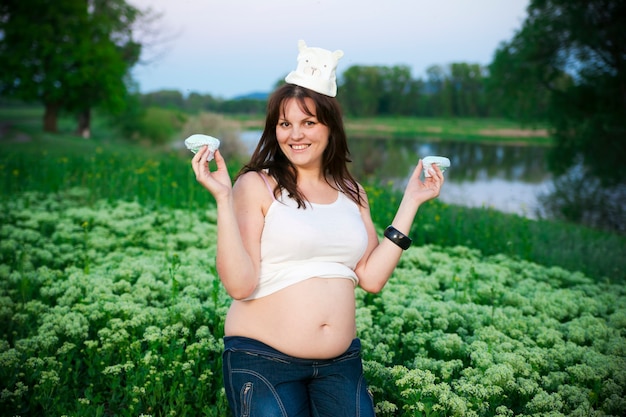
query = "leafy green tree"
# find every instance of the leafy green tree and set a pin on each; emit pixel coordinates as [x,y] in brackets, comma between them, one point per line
[457,90]
[69,55]
[171,99]
[467,81]
[197,102]
[377,90]
[401,92]
[242,106]
[438,87]
[569,58]
[104,58]
[361,89]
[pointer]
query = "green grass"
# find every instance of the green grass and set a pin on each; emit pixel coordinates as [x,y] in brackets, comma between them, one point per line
[110,170]
[113,169]
[466,129]
[598,254]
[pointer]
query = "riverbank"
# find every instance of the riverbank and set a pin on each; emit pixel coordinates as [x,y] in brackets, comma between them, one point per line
[487,130]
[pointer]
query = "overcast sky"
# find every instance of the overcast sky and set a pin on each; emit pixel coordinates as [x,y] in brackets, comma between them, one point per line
[228,48]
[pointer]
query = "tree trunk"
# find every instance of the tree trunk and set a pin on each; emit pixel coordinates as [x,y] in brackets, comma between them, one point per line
[84,124]
[50,117]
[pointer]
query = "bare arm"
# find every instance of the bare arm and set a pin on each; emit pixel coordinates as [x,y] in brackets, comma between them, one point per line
[381,258]
[239,224]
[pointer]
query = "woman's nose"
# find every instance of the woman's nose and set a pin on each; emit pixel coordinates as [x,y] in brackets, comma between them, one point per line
[297,133]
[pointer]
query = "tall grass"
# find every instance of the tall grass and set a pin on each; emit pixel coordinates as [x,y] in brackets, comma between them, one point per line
[598,254]
[109,170]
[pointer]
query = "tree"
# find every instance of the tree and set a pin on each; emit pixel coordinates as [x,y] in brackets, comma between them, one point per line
[438,87]
[69,55]
[467,82]
[104,57]
[172,99]
[569,58]
[377,90]
[402,92]
[361,89]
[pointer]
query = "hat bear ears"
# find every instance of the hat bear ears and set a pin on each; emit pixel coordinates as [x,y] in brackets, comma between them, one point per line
[316,69]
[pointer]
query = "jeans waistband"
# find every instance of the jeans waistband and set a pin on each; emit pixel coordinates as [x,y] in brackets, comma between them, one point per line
[248,344]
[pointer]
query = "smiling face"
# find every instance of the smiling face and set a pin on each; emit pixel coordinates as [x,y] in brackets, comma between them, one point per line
[300,135]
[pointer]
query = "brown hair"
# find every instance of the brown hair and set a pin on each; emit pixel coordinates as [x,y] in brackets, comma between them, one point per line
[268,155]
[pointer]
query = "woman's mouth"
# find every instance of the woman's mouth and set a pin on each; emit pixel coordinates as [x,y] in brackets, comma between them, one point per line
[299,147]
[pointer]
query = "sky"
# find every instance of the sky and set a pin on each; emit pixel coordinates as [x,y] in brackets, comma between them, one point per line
[229,48]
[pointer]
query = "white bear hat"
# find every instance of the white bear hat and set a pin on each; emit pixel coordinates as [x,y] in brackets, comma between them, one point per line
[316,69]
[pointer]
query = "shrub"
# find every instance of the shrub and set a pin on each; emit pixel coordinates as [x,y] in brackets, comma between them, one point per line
[114,308]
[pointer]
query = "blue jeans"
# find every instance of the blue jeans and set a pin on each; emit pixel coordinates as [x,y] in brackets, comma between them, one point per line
[263,382]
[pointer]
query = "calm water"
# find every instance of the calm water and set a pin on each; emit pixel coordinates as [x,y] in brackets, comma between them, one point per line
[506,178]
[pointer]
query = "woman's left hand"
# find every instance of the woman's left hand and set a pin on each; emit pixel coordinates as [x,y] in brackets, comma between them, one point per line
[422,191]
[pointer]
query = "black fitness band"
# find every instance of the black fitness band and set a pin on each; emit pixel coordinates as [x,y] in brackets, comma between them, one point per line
[398,237]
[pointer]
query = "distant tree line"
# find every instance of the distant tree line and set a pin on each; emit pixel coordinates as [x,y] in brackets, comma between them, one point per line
[457,90]
[196,102]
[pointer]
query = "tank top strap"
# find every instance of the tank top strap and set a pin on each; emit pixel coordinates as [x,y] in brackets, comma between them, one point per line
[267,183]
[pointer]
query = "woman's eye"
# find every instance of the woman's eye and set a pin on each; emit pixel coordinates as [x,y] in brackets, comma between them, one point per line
[283,124]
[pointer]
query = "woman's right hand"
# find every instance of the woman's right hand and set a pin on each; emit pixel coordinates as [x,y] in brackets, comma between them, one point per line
[217,182]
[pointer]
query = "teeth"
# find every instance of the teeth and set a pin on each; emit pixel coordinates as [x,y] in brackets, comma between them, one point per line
[299,147]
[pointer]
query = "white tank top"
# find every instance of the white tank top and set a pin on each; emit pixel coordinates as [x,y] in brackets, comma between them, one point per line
[323,240]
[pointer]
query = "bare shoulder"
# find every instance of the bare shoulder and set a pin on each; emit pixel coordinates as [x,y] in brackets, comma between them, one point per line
[249,179]
[251,188]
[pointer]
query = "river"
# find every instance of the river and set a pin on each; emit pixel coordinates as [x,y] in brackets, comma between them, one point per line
[508,178]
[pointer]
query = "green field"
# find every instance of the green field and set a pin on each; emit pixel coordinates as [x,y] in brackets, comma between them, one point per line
[110,303]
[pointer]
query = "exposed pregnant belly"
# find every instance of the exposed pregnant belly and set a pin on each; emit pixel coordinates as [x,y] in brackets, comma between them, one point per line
[313,319]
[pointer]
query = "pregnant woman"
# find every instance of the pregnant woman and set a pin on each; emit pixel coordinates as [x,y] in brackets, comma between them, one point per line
[295,237]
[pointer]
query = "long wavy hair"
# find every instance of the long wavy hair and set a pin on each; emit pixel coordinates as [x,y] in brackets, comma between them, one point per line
[268,155]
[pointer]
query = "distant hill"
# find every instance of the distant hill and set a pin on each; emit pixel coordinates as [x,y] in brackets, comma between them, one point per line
[253,96]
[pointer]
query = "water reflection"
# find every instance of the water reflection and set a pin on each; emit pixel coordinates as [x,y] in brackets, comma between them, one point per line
[390,160]
[505,177]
